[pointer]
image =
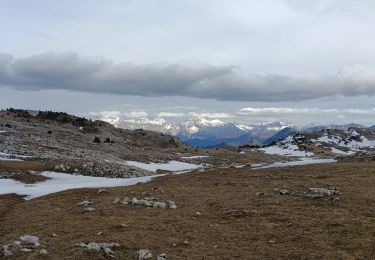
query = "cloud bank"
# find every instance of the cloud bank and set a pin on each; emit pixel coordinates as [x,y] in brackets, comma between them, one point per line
[289,112]
[69,71]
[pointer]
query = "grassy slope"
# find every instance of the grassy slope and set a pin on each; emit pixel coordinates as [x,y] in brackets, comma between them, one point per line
[235,224]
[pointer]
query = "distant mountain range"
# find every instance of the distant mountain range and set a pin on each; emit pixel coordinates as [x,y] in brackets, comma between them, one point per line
[201,132]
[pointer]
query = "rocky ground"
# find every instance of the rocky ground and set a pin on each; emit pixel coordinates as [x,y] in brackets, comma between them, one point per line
[96,148]
[306,212]
[227,210]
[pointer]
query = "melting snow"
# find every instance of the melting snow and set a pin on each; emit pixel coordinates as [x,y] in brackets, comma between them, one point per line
[337,151]
[12,157]
[287,150]
[303,161]
[355,145]
[173,166]
[195,157]
[61,181]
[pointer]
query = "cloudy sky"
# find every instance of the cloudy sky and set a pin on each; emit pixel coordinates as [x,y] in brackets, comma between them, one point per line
[300,61]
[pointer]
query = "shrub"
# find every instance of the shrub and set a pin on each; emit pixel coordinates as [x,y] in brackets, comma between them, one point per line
[97,140]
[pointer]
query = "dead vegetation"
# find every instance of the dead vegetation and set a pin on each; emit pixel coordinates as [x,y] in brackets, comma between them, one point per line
[222,214]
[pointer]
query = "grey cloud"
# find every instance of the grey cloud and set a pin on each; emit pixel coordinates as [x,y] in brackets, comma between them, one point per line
[285,111]
[69,71]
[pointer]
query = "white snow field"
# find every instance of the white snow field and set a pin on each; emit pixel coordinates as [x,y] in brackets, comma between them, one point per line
[62,181]
[174,166]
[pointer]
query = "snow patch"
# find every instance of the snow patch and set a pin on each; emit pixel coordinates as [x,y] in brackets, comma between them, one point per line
[361,142]
[12,157]
[173,166]
[286,150]
[337,151]
[303,161]
[195,157]
[61,181]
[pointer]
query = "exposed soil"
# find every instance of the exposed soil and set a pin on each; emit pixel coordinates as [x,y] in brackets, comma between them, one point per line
[234,222]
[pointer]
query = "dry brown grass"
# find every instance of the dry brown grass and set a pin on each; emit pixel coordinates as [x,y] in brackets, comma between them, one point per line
[235,224]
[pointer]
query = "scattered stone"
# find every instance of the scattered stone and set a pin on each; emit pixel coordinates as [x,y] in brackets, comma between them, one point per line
[31,240]
[6,251]
[125,201]
[117,200]
[259,194]
[162,256]
[314,193]
[146,202]
[43,251]
[26,244]
[143,254]
[89,209]
[54,235]
[197,214]
[101,190]
[172,204]
[26,250]
[104,248]
[325,192]
[85,202]
[284,191]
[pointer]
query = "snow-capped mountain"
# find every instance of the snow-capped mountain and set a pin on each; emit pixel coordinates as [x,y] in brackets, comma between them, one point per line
[196,131]
[280,135]
[196,124]
[112,117]
[156,125]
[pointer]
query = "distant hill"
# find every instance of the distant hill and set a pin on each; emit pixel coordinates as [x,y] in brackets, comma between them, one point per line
[332,126]
[281,135]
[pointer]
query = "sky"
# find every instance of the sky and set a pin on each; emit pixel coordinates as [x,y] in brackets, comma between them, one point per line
[296,61]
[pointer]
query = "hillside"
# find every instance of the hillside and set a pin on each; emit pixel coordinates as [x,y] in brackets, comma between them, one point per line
[140,192]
